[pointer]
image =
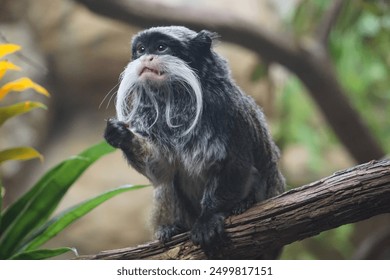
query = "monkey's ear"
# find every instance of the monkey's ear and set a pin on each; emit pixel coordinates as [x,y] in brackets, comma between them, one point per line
[204,39]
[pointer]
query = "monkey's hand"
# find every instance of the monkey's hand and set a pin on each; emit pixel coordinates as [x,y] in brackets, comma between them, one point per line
[117,134]
[209,233]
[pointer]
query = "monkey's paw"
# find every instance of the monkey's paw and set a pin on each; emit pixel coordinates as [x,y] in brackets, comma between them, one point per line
[117,133]
[166,232]
[209,233]
[242,206]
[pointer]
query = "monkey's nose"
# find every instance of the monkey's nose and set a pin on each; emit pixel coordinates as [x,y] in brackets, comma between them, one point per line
[149,57]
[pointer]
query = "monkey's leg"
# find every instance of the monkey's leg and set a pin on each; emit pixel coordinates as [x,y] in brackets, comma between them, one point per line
[225,189]
[166,219]
[255,184]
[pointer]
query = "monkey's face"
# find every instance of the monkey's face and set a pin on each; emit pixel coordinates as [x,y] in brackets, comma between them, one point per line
[164,70]
[153,58]
[151,70]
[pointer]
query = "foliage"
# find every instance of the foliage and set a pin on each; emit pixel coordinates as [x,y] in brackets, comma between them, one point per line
[7,112]
[362,61]
[300,123]
[359,46]
[25,225]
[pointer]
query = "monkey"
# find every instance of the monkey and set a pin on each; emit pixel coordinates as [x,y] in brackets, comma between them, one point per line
[182,121]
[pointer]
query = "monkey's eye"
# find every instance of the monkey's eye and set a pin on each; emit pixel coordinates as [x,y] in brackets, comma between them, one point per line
[162,47]
[140,49]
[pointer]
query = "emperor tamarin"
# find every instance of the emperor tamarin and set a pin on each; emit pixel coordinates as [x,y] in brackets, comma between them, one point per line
[184,124]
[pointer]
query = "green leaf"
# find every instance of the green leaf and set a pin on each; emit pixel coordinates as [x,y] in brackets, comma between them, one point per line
[62,220]
[2,191]
[43,254]
[18,109]
[17,207]
[34,208]
[19,153]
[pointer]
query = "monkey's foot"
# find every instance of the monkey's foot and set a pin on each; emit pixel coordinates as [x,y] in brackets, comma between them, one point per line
[117,133]
[209,234]
[166,232]
[242,206]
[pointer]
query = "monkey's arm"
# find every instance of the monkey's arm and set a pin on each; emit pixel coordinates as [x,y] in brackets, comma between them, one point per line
[118,135]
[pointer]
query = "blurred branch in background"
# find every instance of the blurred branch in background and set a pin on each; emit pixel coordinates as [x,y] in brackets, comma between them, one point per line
[328,21]
[375,246]
[308,58]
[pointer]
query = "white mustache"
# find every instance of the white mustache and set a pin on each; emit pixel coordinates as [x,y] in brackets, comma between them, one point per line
[176,70]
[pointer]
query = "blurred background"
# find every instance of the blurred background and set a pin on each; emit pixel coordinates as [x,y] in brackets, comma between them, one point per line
[78,56]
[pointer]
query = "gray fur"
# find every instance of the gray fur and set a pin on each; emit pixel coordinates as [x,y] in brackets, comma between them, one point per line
[188,127]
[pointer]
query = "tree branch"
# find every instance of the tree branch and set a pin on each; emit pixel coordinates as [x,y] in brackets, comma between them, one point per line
[347,196]
[328,22]
[375,246]
[308,59]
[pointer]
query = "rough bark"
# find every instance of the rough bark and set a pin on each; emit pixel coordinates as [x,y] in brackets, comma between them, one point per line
[347,196]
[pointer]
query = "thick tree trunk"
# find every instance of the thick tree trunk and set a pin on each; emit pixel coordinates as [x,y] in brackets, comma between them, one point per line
[347,196]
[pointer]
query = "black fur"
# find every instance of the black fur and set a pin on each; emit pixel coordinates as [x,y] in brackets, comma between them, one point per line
[224,165]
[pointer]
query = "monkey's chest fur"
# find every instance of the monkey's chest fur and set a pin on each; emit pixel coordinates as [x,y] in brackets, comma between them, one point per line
[222,166]
[177,165]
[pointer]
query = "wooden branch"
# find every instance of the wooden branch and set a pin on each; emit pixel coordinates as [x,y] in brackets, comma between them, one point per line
[308,59]
[347,196]
[328,21]
[374,246]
